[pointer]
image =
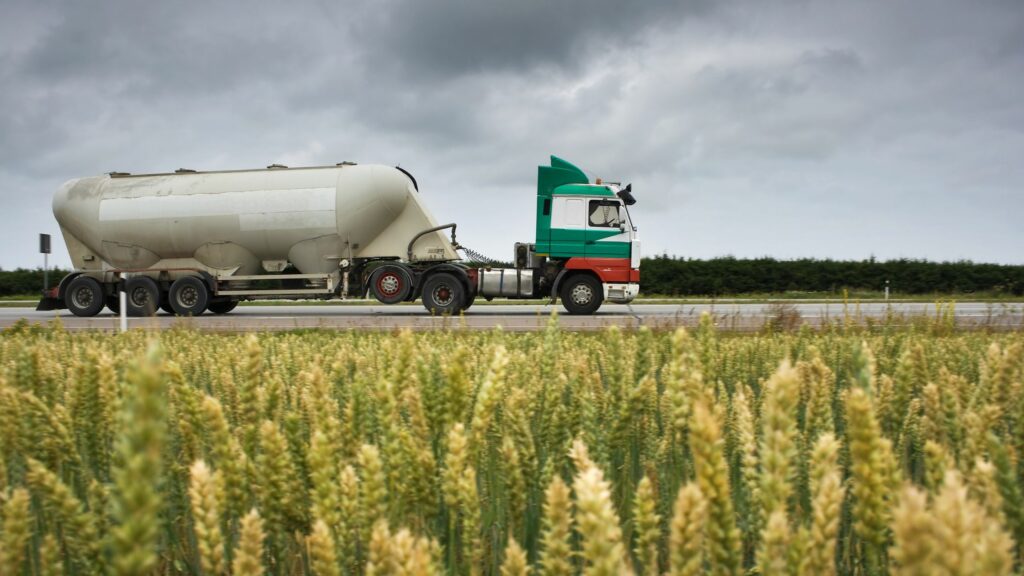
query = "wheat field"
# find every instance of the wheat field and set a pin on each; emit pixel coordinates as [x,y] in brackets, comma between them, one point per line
[889,450]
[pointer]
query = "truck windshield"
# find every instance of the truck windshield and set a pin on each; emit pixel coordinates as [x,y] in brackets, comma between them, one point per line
[604,213]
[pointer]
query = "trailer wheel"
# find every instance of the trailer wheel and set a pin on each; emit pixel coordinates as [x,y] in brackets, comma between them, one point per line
[581,294]
[443,294]
[84,296]
[189,296]
[142,296]
[391,284]
[223,307]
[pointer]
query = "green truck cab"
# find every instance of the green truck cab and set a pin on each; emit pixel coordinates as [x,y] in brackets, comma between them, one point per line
[586,231]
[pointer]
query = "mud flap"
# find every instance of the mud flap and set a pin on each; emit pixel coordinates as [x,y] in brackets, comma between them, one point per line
[46,304]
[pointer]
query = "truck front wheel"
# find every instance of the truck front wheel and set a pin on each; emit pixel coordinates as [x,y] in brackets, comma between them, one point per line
[189,296]
[581,294]
[443,294]
[84,296]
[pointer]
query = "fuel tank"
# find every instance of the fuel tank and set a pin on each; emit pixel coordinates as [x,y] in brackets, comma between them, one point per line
[246,221]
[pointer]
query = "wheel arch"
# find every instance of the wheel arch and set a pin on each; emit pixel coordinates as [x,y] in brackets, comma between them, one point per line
[566,273]
[458,271]
[62,287]
[364,269]
[210,281]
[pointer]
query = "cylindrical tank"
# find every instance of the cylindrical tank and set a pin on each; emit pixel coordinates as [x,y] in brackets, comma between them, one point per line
[245,221]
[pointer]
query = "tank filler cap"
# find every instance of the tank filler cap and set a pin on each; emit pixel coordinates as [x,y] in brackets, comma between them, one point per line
[276,166]
[184,171]
[345,163]
[115,174]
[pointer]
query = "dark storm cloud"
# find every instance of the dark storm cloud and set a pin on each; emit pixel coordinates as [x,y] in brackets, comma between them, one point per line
[789,128]
[451,37]
[150,49]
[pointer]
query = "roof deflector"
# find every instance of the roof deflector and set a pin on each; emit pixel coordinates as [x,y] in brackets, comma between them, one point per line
[557,162]
[558,174]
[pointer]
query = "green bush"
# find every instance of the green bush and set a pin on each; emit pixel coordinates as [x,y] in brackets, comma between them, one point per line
[732,276]
[24,281]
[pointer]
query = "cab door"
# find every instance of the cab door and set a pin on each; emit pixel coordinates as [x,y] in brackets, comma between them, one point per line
[568,226]
[606,234]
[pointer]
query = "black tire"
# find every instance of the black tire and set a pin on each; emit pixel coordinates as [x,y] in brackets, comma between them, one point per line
[581,294]
[142,296]
[165,303]
[114,303]
[222,307]
[469,302]
[84,296]
[390,284]
[443,294]
[189,296]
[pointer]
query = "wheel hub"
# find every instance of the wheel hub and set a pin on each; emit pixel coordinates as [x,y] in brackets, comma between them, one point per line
[83,297]
[188,297]
[442,295]
[389,284]
[582,294]
[140,297]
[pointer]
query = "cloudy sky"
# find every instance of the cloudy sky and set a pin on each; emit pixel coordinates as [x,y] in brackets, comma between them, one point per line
[792,128]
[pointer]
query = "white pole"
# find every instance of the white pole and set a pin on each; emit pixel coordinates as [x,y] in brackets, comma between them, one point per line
[123,305]
[886,289]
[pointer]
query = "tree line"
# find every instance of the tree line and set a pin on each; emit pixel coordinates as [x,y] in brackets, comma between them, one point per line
[670,276]
[733,276]
[24,281]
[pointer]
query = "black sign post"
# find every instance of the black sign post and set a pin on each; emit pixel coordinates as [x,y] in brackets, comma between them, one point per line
[44,249]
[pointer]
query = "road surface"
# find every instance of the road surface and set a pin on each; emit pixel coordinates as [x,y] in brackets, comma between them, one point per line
[520,317]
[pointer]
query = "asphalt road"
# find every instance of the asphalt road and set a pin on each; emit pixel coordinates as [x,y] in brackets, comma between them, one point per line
[519,317]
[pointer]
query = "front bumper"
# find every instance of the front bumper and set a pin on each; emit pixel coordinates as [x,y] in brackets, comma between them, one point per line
[620,293]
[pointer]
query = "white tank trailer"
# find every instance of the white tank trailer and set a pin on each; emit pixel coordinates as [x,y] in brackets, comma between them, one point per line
[188,242]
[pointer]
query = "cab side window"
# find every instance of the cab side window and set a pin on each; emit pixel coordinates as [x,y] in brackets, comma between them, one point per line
[568,213]
[603,214]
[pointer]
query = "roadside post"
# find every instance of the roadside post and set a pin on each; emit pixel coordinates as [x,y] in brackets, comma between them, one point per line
[44,249]
[123,307]
[887,290]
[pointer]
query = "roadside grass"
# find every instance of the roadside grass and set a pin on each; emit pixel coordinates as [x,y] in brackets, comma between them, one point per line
[839,296]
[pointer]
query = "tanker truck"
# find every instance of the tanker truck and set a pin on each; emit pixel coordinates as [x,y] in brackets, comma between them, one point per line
[188,242]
